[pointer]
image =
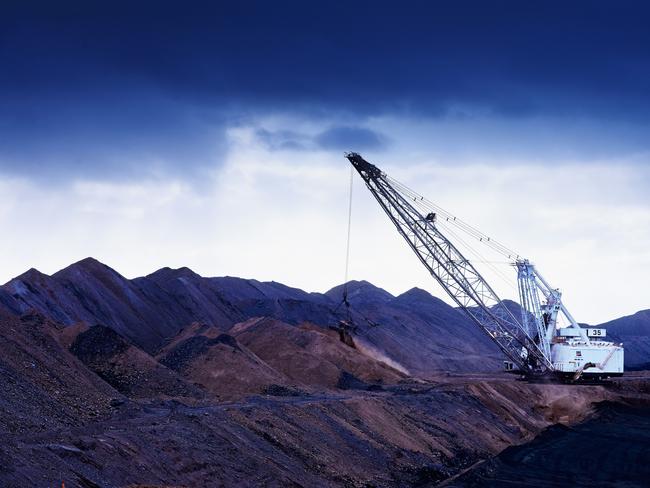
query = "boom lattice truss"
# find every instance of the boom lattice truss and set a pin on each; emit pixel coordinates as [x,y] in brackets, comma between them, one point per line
[453,271]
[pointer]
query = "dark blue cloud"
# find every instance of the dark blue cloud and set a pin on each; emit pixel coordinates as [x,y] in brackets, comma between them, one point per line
[344,138]
[350,138]
[83,83]
[284,139]
[511,57]
[118,136]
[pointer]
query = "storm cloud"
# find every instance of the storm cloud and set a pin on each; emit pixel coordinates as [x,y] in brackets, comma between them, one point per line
[89,88]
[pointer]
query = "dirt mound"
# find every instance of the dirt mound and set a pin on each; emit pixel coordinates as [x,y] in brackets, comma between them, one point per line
[61,422]
[415,437]
[423,334]
[98,344]
[192,330]
[128,369]
[615,440]
[219,363]
[43,385]
[414,331]
[67,335]
[347,381]
[309,354]
[185,352]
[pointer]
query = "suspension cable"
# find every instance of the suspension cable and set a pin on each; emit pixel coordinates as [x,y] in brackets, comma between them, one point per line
[452,219]
[508,280]
[445,220]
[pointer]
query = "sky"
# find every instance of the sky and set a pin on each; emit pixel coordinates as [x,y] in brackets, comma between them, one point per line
[211,135]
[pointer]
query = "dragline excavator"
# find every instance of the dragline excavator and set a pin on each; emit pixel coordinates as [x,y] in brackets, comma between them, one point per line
[536,343]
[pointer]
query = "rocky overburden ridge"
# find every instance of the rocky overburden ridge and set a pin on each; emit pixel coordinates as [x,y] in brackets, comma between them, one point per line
[415,331]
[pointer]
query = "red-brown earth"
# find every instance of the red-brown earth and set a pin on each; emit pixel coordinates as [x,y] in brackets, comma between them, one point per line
[172,380]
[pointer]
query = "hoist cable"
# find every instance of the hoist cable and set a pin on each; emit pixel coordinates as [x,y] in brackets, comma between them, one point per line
[347,262]
[347,245]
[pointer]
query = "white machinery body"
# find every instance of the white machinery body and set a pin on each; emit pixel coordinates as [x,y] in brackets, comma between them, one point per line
[593,358]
